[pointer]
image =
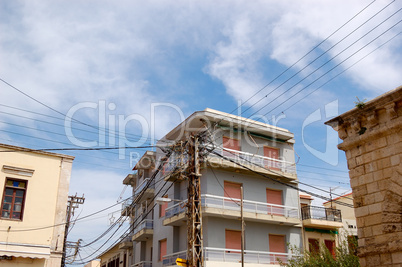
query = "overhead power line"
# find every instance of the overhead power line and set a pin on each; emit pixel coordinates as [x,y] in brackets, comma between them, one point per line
[331,59]
[301,58]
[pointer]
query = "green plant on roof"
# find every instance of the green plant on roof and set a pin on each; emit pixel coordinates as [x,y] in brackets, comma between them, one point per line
[360,103]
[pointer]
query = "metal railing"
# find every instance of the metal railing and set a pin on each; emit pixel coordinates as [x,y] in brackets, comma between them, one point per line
[321,213]
[226,203]
[246,158]
[170,259]
[142,264]
[127,203]
[145,224]
[141,187]
[232,255]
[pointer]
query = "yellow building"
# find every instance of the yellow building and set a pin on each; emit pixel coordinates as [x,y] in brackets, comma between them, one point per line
[34,191]
[320,225]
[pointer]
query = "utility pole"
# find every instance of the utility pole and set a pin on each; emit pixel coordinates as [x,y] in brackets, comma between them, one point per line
[195,257]
[73,202]
[242,226]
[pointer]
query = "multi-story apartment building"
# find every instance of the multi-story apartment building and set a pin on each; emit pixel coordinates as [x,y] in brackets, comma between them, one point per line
[266,173]
[33,206]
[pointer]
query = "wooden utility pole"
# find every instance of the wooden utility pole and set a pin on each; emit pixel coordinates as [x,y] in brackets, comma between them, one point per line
[195,255]
[73,202]
[242,225]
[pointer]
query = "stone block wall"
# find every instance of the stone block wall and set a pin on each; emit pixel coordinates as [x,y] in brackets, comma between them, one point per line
[372,141]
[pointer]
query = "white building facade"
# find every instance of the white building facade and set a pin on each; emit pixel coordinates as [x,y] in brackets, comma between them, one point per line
[234,153]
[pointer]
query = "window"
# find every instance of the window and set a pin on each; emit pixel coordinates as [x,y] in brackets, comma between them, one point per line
[273,154]
[232,144]
[233,240]
[277,245]
[232,190]
[13,199]
[313,246]
[232,194]
[275,197]
[330,244]
[162,249]
[163,207]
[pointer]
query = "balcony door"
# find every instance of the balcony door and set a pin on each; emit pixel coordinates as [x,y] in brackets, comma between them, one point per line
[275,197]
[233,241]
[277,246]
[233,194]
[232,144]
[273,154]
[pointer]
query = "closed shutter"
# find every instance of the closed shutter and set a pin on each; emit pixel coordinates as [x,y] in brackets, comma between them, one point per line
[275,197]
[230,143]
[277,244]
[272,153]
[163,207]
[233,240]
[232,190]
[162,249]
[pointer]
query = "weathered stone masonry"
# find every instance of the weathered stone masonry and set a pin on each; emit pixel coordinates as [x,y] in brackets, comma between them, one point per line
[372,141]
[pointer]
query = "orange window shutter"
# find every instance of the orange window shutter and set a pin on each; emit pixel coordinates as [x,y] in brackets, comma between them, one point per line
[162,249]
[274,197]
[232,190]
[163,208]
[233,239]
[271,152]
[231,143]
[277,243]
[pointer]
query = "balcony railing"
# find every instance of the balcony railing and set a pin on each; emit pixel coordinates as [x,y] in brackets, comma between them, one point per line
[170,259]
[250,256]
[246,158]
[142,264]
[321,213]
[146,224]
[226,203]
[232,255]
[127,206]
[141,187]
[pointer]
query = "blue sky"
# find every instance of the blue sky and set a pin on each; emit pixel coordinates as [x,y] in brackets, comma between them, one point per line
[184,56]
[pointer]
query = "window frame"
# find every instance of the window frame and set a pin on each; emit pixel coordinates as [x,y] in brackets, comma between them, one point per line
[13,200]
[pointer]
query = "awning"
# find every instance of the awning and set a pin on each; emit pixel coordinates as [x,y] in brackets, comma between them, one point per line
[25,250]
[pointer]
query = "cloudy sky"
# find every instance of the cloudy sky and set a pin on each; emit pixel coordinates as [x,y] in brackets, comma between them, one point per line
[140,67]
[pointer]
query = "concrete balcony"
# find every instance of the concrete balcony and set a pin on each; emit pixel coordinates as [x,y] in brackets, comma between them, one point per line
[320,217]
[275,167]
[218,257]
[146,188]
[218,206]
[130,179]
[143,231]
[170,259]
[126,243]
[222,257]
[127,207]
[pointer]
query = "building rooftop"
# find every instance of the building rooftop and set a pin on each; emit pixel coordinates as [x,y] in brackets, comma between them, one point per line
[212,118]
[30,150]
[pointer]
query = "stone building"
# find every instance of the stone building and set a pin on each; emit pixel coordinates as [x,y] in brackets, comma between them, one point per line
[372,141]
